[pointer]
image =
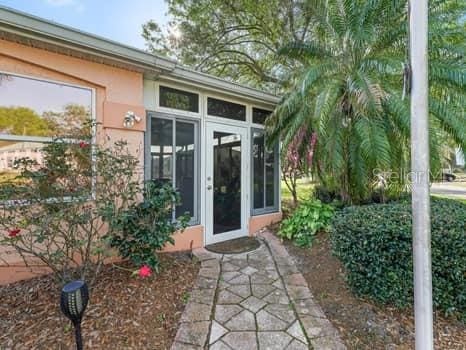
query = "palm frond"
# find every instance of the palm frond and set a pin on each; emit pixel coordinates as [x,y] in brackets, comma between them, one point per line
[300,51]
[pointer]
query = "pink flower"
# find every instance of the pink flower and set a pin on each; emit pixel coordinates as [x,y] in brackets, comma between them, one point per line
[83,144]
[14,232]
[145,271]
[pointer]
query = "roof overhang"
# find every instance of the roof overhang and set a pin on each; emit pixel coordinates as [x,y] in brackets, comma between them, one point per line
[36,32]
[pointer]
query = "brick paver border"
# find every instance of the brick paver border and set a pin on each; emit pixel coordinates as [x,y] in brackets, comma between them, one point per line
[319,330]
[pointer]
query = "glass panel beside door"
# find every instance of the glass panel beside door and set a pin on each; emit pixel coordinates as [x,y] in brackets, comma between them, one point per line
[174,160]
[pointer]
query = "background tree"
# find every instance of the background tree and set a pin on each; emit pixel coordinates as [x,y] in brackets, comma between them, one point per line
[350,90]
[297,159]
[233,39]
[340,65]
[22,121]
[72,119]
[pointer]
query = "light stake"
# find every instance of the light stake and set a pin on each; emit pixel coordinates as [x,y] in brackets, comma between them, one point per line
[73,302]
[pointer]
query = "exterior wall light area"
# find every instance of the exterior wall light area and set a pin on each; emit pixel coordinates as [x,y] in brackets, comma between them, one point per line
[130,119]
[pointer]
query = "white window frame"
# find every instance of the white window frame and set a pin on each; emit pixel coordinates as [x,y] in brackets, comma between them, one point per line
[195,219]
[255,125]
[233,122]
[43,139]
[179,112]
[276,182]
[151,103]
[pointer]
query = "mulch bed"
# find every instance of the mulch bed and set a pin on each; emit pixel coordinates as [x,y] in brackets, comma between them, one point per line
[363,324]
[125,312]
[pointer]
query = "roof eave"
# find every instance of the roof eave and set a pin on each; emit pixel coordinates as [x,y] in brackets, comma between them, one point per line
[33,28]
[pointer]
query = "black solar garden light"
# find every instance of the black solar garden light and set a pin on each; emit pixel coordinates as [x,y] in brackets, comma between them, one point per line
[73,302]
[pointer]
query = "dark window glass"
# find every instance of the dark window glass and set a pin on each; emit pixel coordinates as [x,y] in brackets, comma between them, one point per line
[259,115]
[179,99]
[174,155]
[269,178]
[185,167]
[227,182]
[162,149]
[258,164]
[225,109]
[265,173]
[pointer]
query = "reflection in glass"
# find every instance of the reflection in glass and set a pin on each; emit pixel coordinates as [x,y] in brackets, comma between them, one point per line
[179,99]
[185,167]
[258,170]
[162,149]
[227,182]
[12,151]
[225,109]
[30,107]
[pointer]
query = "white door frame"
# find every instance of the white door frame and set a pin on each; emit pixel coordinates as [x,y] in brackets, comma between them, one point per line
[210,127]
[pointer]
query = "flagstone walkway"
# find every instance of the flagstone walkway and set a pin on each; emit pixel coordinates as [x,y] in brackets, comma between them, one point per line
[255,300]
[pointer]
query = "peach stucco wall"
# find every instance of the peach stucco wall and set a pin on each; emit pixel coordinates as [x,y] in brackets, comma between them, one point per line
[192,237]
[260,221]
[116,92]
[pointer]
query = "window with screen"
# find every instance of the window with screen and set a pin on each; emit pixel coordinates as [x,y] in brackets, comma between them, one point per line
[174,159]
[265,175]
[178,99]
[226,109]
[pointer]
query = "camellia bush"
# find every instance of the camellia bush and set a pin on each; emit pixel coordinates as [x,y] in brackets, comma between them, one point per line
[147,226]
[56,213]
[374,242]
[307,220]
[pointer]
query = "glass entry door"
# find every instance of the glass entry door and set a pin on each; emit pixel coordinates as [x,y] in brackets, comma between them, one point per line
[226,187]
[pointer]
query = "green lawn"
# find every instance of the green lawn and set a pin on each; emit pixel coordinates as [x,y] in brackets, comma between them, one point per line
[305,188]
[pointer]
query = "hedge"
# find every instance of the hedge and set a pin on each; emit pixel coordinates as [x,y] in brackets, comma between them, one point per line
[374,242]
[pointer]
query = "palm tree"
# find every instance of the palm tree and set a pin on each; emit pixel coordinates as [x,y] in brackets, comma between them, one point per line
[350,90]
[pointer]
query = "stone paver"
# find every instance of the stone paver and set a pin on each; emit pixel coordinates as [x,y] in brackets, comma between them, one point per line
[244,321]
[296,331]
[253,304]
[268,322]
[241,340]
[216,331]
[224,312]
[254,300]
[273,340]
[243,291]
[227,297]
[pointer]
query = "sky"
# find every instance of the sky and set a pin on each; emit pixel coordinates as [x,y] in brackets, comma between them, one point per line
[119,20]
[41,96]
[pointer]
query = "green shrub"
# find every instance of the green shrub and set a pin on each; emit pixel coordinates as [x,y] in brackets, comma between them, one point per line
[147,226]
[374,242]
[309,218]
